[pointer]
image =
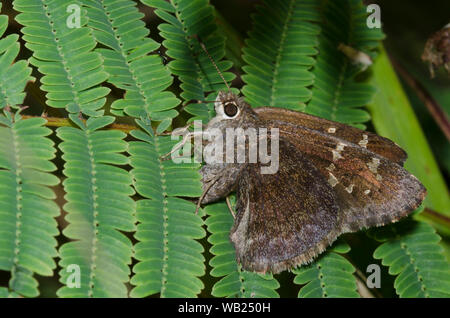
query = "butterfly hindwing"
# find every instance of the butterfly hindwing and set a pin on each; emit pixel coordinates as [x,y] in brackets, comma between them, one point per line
[280,224]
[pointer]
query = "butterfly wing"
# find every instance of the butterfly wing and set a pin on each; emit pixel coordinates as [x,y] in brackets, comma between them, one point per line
[323,188]
[283,219]
[374,143]
[371,189]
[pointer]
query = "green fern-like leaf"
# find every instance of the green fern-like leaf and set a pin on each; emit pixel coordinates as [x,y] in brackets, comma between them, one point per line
[5,293]
[186,19]
[280,53]
[234,281]
[412,252]
[13,76]
[98,205]
[335,93]
[117,25]
[72,72]
[331,275]
[170,258]
[27,209]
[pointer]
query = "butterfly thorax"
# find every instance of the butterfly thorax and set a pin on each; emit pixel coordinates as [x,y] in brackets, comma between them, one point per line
[235,130]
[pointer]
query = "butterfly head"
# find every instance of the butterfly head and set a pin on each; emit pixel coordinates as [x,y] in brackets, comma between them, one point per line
[230,106]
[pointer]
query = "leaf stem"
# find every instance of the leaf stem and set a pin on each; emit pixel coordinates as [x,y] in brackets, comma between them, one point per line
[63,122]
[432,105]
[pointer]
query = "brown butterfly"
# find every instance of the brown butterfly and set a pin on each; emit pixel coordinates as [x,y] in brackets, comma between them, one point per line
[332,179]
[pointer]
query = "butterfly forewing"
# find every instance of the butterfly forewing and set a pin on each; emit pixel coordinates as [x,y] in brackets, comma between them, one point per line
[377,144]
[371,189]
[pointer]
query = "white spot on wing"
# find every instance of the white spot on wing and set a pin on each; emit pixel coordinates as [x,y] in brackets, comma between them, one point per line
[336,155]
[373,165]
[349,189]
[367,192]
[332,180]
[364,141]
[331,130]
[337,152]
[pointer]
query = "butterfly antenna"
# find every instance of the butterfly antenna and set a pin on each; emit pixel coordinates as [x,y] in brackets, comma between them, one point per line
[213,62]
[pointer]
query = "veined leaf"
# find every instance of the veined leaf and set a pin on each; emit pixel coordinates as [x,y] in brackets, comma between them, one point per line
[13,76]
[412,252]
[98,206]
[118,26]
[170,258]
[329,276]
[27,209]
[336,95]
[280,53]
[62,51]
[198,75]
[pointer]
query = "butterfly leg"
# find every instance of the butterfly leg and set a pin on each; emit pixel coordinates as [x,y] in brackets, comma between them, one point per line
[180,131]
[186,138]
[212,182]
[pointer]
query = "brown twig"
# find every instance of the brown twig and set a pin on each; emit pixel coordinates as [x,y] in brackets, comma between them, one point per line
[64,122]
[362,289]
[432,105]
[443,219]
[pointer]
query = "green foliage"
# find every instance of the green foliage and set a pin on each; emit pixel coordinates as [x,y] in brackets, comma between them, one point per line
[64,55]
[335,93]
[98,205]
[170,258]
[117,25]
[117,184]
[330,276]
[4,293]
[412,252]
[13,76]
[185,20]
[27,209]
[280,54]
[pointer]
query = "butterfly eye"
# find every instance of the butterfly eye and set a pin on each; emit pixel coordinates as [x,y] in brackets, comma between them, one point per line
[230,109]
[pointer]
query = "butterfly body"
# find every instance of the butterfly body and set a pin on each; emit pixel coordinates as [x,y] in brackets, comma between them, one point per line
[332,179]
